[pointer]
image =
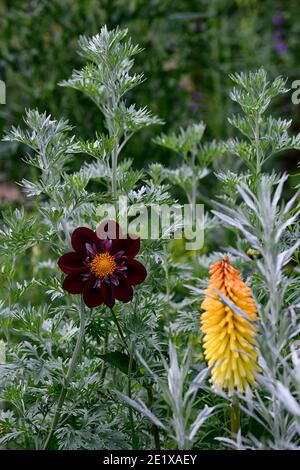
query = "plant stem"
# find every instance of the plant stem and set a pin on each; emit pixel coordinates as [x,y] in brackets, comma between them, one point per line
[70,372]
[130,351]
[119,328]
[166,270]
[66,232]
[194,187]
[257,145]
[114,166]
[155,429]
[104,366]
[235,416]
[131,420]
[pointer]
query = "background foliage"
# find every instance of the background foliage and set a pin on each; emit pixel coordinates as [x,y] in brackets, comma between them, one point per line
[190,47]
[157,381]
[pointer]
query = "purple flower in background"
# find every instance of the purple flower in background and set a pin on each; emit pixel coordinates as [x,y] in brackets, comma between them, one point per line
[277,35]
[277,20]
[279,43]
[281,47]
[197,98]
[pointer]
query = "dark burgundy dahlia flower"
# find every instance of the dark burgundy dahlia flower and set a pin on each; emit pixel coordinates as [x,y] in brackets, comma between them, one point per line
[102,269]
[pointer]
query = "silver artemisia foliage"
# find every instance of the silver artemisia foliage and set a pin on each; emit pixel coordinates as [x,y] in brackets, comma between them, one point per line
[262,219]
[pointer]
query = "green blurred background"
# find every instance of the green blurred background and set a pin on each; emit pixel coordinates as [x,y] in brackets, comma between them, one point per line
[190,47]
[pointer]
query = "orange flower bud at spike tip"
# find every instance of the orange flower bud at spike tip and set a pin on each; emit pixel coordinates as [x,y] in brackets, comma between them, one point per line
[229,339]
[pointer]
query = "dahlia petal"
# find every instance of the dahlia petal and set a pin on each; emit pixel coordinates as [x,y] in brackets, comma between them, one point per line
[114,280]
[119,255]
[72,263]
[136,272]
[130,246]
[123,291]
[92,295]
[92,298]
[133,247]
[80,237]
[106,245]
[121,268]
[86,276]
[74,284]
[107,294]
[91,250]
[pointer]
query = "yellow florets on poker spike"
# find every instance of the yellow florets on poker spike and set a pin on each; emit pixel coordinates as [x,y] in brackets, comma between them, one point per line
[229,338]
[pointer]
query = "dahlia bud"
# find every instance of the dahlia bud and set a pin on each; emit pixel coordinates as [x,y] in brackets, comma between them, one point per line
[229,341]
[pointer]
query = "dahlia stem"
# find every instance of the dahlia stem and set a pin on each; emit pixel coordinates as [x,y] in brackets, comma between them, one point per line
[130,352]
[70,372]
[235,416]
[119,328]
[104,366]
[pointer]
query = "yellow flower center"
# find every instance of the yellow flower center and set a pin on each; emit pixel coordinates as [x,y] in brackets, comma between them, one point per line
[103,265]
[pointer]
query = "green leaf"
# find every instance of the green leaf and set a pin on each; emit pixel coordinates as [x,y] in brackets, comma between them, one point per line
[119,360]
